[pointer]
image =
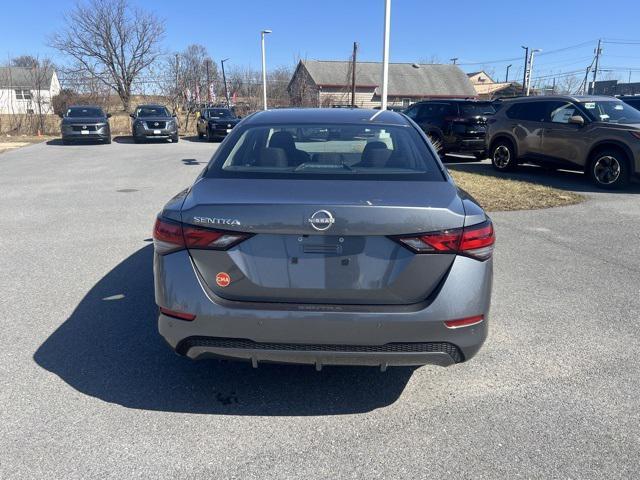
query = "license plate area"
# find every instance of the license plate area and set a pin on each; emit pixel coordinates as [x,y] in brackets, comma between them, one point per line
[84,132]
[157,132]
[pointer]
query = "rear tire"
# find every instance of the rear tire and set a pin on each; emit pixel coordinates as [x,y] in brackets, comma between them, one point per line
[503,156]
[609,169]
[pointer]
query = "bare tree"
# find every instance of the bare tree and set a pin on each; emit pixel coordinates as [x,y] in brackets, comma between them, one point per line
[27,61]
[569,84]
[111,41]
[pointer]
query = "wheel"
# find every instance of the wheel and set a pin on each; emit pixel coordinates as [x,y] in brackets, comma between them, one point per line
[437,143]
[609,169]
[210,137]
[503,156]
[175,138]
[107,140]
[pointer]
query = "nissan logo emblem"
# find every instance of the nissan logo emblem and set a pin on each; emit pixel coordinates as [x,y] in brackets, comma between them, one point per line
[321,220]
[156,124]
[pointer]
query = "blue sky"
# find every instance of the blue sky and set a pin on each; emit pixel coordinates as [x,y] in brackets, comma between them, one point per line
[478,33]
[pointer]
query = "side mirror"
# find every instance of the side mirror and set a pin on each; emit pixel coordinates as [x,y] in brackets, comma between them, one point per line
[61,115]
[576,120]
[108,115]
[174,115]
[132,115]
[239,116]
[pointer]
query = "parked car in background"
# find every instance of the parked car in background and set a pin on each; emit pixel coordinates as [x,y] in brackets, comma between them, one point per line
[85,123]
[455,126]
[633,100]
[216,123]
[153,122]
[273,255]
[597,135]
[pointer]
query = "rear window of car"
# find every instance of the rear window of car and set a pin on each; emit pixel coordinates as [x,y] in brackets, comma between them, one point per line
[336,151]
[476,109]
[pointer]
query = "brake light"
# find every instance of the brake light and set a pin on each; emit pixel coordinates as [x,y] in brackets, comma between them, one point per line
[170,236]
[464,322]
[179,315]
[475,241]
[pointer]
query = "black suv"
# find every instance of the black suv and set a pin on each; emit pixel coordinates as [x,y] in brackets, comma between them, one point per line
[216,123]
[597,135]
[633,100]
[453,125]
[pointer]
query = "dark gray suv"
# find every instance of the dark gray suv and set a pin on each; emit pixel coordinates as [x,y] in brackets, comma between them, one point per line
[151,122]
[597,135]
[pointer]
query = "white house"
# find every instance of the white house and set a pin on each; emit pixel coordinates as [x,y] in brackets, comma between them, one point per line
[27,90]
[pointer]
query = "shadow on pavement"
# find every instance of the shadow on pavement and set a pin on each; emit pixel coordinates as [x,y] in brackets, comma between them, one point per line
[109,348]
[192,161]
[560,179]
[58,142]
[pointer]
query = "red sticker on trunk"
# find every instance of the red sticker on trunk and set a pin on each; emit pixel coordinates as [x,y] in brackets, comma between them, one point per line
[223,279]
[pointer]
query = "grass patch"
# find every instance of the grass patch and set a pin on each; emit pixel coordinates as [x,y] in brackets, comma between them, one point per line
[503,194]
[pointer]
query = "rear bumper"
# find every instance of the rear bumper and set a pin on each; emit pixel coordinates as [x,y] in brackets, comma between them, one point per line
[407,354]
[471,145]
[323,334]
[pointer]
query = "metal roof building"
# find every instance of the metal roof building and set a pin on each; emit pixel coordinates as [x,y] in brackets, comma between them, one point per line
[328,83]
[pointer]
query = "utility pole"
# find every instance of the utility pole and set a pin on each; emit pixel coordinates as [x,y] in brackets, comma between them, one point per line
[353,75]
[506,78]
[526,69]
[595,68]
[586,81]
[385,54]
[224,79]
[454,60]
[533,51]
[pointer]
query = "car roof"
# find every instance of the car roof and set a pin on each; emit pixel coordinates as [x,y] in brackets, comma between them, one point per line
[327,115]
[568,98]
[456,100]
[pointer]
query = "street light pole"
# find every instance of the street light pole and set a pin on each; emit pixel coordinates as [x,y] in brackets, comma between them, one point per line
[224,79]
[385,54]
[526,69]
[264,69]
[506,78]
[535,50]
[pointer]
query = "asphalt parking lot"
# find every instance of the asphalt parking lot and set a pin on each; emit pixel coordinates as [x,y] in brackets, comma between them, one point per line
[89,390]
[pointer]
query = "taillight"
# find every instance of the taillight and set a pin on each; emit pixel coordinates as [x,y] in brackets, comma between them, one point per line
[170,236]
[475,241]
[179,315]
[464,322]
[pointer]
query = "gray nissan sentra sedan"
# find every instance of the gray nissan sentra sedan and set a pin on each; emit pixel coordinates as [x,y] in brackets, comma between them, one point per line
[324,237]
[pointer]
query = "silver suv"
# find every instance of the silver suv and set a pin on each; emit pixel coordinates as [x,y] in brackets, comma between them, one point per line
[597,135]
